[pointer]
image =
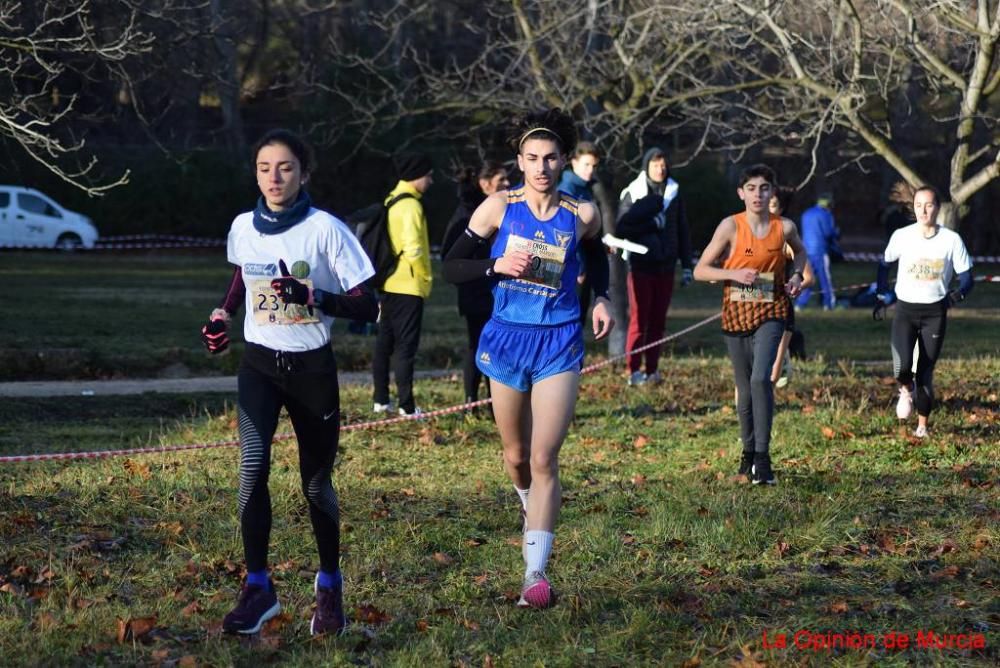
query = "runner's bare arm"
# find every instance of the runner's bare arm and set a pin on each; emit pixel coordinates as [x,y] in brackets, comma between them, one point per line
[796,277]
[715,253]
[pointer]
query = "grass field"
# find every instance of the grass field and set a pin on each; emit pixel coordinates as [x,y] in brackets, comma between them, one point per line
[662,555]
[104,315]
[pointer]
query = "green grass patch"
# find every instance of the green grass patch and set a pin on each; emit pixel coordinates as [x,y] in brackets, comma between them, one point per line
[662,555]
[103,315]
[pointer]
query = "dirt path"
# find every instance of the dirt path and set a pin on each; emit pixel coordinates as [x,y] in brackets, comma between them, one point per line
[65,388]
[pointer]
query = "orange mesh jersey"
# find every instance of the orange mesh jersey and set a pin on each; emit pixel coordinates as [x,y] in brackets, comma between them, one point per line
[744,308]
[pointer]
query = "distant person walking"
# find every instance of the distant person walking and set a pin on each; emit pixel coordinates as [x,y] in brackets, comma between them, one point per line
[297,267]
[406,288]
[782,369]
[929,255]
[578,181]
[819,236]
[750,247]
[652,213]
[475,298]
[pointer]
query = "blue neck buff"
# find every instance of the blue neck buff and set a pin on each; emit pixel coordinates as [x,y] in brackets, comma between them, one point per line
[266,221]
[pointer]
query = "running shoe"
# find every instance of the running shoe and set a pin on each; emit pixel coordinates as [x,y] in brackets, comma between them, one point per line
[536,592]
[920,431]
[761,473]
[636,379]
[416,411]
[381,408]
[746,464]
[255,606]
[329,616]
[654,378]
[904,407]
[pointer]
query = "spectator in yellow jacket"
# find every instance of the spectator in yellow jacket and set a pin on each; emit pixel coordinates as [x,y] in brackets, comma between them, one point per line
[407,287]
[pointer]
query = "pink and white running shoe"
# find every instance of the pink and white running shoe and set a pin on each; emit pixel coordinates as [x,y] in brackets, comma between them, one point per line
[536,592]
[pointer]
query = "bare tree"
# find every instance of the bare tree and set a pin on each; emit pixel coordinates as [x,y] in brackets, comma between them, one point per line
[49,53]
[723,74]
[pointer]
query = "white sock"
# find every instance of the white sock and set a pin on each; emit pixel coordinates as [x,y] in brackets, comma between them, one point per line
[523,493]
[537,548]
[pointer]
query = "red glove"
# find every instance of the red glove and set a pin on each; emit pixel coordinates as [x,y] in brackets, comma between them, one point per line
[214,336]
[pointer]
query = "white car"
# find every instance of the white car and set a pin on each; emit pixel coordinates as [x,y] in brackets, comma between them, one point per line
[30,219]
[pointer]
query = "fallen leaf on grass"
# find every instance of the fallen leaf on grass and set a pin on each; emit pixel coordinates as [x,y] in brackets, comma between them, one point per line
[471,625]
[640,442]
[693,662]
[944,548]
[275,624]
[638,480]
[487,661]
[706,572]
[474,542]
[46,621]
[828,432]
[422,625]
[191,608]
[134,628]
[781,547]
[838,607]
[982,541]
[12,589]
[443,559]
[480,580]
[946,573]
[188,661]
[747,659]
[140,469]
[962,603]
[369,614]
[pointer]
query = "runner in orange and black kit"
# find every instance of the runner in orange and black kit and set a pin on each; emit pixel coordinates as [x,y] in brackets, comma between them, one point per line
[750,247]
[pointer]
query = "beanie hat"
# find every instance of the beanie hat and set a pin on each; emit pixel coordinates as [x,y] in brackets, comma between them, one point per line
[412,166]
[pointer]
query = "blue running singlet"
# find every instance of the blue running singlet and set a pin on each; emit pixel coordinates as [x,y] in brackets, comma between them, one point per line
[547,296]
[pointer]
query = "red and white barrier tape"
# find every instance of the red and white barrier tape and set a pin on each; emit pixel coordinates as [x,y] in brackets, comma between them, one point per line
[387,421]
[57,456]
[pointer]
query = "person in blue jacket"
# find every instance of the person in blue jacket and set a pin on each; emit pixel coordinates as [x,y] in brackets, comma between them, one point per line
[819,236]
[578,182]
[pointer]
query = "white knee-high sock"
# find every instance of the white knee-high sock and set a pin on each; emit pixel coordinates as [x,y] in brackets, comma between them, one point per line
[537,548]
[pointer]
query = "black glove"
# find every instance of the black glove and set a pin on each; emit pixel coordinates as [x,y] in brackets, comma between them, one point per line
[954,297]
[289,290]
[214,336]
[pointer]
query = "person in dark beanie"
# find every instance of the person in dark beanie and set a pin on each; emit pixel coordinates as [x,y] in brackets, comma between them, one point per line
[652,214]
[406,288]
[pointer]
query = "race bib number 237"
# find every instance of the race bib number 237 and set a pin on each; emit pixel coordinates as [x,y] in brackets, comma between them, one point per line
[268,308]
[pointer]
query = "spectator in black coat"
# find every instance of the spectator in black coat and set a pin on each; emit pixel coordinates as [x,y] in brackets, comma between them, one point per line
[652,214]
[475,298]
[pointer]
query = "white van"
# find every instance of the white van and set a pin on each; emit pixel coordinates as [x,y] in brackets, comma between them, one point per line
[31,219]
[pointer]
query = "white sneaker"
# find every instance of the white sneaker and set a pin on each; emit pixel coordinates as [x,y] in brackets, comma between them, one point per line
[636,379]
[904,407]
[381,408]
[416,411]
[920,431]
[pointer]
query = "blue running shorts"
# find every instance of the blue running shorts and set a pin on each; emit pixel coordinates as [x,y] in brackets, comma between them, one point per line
[521,355]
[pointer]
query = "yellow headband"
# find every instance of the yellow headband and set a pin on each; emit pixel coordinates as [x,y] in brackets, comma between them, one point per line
[532,131]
